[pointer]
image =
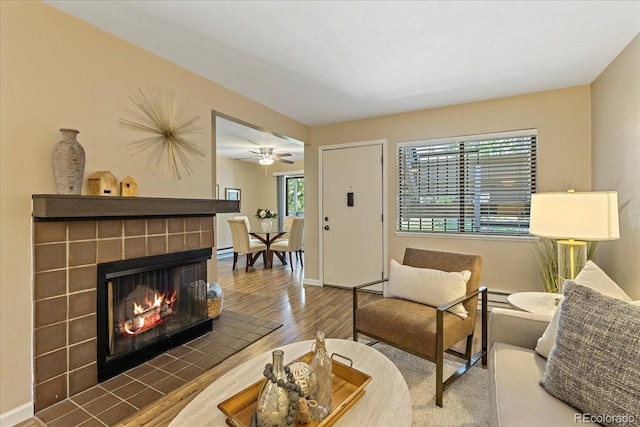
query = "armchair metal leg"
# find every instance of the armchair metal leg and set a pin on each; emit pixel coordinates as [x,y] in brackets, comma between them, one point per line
[471,360]
[485,328]
[354,302]
[439,358]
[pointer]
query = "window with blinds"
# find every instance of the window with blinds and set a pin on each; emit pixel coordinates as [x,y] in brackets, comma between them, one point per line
[479,184]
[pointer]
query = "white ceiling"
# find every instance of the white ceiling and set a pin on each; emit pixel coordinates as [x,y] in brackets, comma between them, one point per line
[236,141]
[323,62]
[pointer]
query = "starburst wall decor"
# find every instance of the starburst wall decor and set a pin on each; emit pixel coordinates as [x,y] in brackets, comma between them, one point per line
[157,113]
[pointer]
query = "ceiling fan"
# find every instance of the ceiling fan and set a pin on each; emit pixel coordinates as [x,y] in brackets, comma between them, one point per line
[267,156]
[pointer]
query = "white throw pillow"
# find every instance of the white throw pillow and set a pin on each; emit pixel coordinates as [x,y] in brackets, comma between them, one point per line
[593,277]
[427,286]
[548,338]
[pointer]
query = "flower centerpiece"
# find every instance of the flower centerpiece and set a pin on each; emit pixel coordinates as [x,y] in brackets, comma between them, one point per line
[265,214]
[266,217]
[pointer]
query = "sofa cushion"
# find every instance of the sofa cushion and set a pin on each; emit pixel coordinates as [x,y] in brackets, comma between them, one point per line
[427,286]
[516,397]
[593,277]
[594,362]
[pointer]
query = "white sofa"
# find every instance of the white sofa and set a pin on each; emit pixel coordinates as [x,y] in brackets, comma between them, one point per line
[600,331]
[515,370]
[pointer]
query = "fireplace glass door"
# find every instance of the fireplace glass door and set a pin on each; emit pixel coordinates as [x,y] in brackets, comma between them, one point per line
[148,309]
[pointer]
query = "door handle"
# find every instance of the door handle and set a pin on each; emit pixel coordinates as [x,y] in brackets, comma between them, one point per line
[326,227]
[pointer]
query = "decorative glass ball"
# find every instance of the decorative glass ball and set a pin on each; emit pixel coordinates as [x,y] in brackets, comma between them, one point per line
[301,374]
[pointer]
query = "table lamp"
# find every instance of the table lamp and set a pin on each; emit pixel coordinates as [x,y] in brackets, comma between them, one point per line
[574,218]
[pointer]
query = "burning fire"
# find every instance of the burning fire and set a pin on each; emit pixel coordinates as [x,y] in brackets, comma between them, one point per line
[146,318]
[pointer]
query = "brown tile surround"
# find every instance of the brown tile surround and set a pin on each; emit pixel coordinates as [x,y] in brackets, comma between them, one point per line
[65,257]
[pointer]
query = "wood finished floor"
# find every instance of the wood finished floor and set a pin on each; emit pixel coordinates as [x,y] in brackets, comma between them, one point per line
[277,295]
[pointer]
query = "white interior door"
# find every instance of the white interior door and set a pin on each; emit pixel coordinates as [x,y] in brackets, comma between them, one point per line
[352,209]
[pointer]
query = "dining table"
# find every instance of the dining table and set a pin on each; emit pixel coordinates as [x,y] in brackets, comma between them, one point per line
[268,237]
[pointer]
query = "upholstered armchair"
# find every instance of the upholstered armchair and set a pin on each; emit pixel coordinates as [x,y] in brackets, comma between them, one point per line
[428,331]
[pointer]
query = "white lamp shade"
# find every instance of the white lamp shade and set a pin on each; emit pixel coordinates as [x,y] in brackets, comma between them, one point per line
[575,215]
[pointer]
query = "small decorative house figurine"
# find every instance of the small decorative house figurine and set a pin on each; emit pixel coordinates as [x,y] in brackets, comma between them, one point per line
[128,187]
[102,183]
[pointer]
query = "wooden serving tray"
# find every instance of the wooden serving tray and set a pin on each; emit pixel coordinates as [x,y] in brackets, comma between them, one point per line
[348,387]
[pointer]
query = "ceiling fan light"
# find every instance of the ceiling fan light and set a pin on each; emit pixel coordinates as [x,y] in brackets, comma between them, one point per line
[266,161]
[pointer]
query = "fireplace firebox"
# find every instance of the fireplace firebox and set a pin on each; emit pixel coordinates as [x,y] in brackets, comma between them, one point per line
[149,305]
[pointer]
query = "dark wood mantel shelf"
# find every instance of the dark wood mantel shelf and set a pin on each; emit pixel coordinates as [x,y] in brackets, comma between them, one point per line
[64,207]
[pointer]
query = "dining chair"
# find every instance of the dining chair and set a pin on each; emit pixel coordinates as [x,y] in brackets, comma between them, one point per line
[287,222]
[246,221]
[407,317]
[292,244]
[243,245]
[286,226]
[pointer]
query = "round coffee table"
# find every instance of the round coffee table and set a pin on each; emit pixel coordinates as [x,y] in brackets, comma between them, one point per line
[535,302]
[386,399]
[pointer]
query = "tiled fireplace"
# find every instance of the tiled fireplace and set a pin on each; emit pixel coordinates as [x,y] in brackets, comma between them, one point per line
[69,245]
[149,305]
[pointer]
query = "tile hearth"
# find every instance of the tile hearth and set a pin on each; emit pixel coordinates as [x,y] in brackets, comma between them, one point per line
[113,400]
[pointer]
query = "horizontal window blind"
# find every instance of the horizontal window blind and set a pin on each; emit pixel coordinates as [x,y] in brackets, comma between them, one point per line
[480,184]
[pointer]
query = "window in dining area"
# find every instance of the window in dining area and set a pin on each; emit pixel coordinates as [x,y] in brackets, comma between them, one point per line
[294,196]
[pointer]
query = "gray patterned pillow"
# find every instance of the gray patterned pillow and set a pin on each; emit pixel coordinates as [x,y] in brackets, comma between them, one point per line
[595,363]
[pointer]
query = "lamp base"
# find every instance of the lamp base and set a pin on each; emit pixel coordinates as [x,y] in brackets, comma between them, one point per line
[572,257]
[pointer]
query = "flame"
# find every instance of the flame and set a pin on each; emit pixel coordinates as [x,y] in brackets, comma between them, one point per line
[140,325]
[172,298]
[146,318]
[157,302]
[137,309]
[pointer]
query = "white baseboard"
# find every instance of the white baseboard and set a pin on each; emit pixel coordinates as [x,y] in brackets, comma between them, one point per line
[224,252]
[17,415]
[311,282]
[497,298]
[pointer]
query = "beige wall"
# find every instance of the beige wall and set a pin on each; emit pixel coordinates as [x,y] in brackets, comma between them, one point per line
[616,157]
[563,120]
[57,71]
